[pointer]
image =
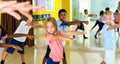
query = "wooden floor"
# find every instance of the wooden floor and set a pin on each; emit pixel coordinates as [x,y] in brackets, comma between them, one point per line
[89,51]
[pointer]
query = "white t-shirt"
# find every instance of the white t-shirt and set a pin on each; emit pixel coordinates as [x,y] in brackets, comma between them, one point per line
[22,29]
[84,18]
[109,37]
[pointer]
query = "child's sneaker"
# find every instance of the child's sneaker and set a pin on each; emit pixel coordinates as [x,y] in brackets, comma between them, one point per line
[95,37]
[2,62]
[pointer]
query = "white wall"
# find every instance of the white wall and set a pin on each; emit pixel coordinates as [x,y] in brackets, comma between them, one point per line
[97,5]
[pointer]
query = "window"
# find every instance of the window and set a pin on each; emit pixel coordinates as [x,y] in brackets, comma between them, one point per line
[49,5]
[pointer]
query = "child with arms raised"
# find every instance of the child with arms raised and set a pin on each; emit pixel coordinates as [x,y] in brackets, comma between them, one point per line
[109,38]
[54,39]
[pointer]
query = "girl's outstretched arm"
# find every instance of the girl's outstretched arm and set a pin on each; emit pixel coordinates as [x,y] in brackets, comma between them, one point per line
[62,38]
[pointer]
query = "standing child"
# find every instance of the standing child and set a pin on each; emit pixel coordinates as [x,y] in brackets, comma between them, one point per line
[54,39]
[99,22]
[109,38]
[62,16]
[84,18]
[62,19]
[62,25]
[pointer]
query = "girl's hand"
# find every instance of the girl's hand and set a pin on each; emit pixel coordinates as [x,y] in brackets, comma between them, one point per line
[16,47]
[72,39]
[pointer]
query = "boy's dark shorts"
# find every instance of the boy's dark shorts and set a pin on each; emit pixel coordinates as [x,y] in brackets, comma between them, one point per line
[81,27]
[15,42]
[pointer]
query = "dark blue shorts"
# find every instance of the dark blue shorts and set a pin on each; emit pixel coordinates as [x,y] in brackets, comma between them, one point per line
[15,42]
[50,61]
[81,27]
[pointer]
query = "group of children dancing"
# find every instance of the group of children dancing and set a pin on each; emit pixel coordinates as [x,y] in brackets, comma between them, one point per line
[107,27]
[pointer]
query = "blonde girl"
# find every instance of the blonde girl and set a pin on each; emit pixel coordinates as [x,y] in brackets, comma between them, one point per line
[54,39]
